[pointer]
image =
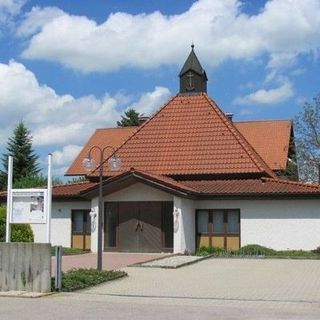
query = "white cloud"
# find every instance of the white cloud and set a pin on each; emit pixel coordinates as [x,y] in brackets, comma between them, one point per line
[36,19]
[151,101]
[60,122]
[9,9]
[283,29]
[66,155]
[264,96]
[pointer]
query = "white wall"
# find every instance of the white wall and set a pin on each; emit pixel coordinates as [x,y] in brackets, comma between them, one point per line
[278,224]
[60,223]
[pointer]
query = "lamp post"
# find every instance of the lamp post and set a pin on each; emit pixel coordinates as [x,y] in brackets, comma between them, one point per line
[89,164]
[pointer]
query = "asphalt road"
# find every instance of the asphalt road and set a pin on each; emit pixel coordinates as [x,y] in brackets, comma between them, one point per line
[87,307]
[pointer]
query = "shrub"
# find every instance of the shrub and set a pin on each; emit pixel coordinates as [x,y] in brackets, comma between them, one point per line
[317,250]
[256,249]
[81,278]
[19,232]
[205,251]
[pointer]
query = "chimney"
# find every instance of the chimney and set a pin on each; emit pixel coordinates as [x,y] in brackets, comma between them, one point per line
[142,120]
[229,116]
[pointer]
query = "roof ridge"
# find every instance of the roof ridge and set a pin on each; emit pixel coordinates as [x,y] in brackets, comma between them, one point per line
[72,183]
[297,183]
[112,128]
[270,120]
[244,143]
[135,132]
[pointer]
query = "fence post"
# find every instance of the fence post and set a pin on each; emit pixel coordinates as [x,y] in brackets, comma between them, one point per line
[58,274]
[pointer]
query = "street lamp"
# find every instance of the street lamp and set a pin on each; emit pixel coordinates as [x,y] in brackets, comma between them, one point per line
[89,164]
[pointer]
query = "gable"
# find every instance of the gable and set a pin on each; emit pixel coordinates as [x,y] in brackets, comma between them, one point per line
[190,135]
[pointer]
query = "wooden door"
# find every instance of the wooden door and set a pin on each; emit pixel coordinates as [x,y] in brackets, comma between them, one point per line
[128,227]
[140,227]
[81,229]
[149,227]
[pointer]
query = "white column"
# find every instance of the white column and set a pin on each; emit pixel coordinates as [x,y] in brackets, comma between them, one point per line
[183,225]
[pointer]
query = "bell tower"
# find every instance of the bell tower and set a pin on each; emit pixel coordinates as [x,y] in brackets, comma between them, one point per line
[193,78]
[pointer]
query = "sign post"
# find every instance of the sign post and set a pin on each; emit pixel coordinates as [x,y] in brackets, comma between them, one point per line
[29,205]
[9,188]
[49,202]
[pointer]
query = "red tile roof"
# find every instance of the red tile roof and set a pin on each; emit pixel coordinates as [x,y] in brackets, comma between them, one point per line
[71,190]
[271,139]
[189,135]
[221,188]
[263,186]
[101,137]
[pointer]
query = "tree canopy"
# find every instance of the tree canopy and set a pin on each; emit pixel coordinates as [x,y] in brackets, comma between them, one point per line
[307,134]
[130,118]
[25,160]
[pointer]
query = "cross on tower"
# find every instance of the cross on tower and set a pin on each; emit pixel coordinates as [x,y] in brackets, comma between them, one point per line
[190,76]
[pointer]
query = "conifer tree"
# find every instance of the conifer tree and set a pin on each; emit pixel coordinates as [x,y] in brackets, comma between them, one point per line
[19,146]
[130,118]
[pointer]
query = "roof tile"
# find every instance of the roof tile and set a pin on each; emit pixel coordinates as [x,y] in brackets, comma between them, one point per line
[189,135]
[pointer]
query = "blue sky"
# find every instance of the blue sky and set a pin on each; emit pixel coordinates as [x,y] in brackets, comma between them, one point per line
[68,67]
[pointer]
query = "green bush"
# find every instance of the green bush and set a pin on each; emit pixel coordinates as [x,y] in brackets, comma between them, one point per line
[2,224]
[316,250]
[19,232]
[82,278]
[205,251]
[256,249]
[69,251]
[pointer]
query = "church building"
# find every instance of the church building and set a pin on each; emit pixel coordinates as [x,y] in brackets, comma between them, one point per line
[189,176]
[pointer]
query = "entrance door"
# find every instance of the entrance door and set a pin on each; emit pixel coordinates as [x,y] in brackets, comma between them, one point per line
[149,227]
[140,226]
[81,229]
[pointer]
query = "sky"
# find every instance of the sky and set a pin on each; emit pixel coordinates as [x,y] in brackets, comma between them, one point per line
[69,67]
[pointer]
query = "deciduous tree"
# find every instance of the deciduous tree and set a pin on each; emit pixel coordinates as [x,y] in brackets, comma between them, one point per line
[307,134]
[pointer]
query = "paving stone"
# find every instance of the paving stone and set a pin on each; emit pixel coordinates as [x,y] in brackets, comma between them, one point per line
[172,262]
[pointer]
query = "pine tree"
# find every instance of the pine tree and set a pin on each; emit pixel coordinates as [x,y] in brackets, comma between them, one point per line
[25,164]
[130,118]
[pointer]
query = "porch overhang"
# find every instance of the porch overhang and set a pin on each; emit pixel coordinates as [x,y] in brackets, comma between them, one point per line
[131,177]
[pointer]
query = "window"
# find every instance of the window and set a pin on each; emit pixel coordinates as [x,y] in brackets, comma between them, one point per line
[233,221]
[217,221]
[77,221]
[221,227]
[202,223]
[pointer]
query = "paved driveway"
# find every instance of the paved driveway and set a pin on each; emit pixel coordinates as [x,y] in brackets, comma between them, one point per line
[110,260]
[224,279]
[211,289]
